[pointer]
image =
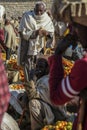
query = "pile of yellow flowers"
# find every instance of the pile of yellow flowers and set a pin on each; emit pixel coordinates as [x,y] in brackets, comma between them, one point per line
[59,125]
[16,86]
[67,64]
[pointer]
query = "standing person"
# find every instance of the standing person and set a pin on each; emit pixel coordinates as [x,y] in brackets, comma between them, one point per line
[10,38]
[2,20]
[64,89]
[35,27]
[42,111]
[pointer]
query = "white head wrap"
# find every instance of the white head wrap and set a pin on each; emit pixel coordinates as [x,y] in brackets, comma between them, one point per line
[2,12]
[41,2]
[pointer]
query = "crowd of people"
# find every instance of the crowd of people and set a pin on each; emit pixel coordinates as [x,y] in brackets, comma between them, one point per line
[48,92]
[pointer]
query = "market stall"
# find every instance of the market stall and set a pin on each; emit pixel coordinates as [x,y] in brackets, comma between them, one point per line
[16,78]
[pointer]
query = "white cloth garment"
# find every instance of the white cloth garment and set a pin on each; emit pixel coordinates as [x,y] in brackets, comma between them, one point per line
[2,12]
[8,123]
[29,24]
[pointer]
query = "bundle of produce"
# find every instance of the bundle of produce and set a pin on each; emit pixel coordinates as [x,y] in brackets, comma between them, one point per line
[67,64]
[59,125]
[16,87]
[12,63]
[21,75]
[48,51]
[3,56]
[13,69]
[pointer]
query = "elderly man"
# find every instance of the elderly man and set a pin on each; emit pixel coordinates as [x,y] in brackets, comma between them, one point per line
[42,111]
[63,89]
[35,27]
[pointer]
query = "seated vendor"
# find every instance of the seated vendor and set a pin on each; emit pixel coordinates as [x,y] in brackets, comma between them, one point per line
[42,111]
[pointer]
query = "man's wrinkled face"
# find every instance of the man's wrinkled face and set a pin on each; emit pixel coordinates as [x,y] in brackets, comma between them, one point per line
[41,68]
[39,9]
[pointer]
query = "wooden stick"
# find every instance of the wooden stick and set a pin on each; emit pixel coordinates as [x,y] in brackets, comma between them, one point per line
[21,118]
[81,114]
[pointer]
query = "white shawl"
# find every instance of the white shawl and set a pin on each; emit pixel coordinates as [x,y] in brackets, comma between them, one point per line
[44,21]
[30,23]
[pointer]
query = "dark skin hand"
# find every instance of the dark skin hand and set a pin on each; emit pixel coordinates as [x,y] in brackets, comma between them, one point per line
[70,39]
[41,32]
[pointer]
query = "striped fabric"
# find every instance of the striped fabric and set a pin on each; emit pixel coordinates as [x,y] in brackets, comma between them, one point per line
[4,91]
[67,88]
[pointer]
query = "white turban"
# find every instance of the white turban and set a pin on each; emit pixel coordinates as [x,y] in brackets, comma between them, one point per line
[2,12]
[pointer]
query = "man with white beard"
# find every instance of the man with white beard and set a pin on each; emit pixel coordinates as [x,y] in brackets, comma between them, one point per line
[36,27]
